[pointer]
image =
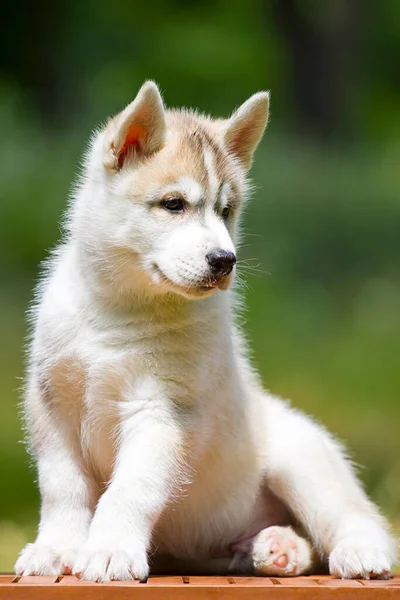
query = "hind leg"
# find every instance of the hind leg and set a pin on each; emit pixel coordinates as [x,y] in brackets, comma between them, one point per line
[280,551]
[307,470]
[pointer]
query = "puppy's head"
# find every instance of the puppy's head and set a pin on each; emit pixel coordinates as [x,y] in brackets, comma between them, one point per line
[172,184]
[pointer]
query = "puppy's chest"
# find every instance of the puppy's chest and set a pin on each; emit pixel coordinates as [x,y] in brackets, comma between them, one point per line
[118,358]
[118,365]
[100,371]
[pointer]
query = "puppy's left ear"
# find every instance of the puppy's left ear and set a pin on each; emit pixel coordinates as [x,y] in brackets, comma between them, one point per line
[245,128]
[139,128]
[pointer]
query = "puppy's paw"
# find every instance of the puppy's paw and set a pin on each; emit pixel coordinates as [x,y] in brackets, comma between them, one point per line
[359,558]
[281,552]
[39,559]
[111,564]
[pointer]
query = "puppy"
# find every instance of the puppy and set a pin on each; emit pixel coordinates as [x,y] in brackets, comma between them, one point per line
[153,437]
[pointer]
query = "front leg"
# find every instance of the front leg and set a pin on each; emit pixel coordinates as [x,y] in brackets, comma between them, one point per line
[68,492]
[146,475]
[307,470]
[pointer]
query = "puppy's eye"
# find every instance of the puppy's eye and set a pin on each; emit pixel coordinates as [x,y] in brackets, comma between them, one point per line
[174,205]
[226,212]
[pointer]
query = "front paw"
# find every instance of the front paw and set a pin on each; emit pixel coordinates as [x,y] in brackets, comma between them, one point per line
[111,563]
[41,559]
[359,558]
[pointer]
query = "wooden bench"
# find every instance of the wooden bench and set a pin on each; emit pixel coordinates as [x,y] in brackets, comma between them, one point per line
[320,587]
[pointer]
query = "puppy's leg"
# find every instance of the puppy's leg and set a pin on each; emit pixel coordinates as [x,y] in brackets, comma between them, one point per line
[280,551]
[307,470]
[146,474]
[68,494]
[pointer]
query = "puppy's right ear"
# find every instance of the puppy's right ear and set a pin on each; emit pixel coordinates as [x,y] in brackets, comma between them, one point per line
[140,128]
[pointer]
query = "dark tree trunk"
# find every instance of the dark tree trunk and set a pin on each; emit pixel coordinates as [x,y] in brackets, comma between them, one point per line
[31,50]
[323,42]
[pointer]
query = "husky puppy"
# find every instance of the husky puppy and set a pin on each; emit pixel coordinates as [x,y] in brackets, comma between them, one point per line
[154,440]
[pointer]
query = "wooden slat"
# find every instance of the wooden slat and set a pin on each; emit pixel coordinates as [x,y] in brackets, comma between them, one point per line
[71,580]
[206,580]
[35,580]
[347,583]
[382,583]
[132,582]
[252,581]
[199,588]
[295,581]
[5,578]
[165,580]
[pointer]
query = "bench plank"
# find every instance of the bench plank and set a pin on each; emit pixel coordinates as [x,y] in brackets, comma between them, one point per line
[198,588]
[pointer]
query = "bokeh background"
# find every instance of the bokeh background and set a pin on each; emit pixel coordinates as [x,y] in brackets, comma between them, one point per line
[321,254]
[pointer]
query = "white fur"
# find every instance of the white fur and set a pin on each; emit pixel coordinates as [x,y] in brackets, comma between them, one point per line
[150,429]
[213,180]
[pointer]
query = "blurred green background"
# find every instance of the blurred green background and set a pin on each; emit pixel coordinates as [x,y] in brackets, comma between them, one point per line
[322,247]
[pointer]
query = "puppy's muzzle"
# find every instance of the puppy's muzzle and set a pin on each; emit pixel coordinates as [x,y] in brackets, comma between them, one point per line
[221,263]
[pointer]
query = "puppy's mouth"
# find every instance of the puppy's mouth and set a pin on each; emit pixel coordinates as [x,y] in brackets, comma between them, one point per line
[205,287]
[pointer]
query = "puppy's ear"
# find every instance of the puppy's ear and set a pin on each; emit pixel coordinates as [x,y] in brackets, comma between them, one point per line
[140,127]
[244,130]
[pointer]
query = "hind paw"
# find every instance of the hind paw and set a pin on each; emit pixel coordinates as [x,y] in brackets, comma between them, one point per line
[281,552]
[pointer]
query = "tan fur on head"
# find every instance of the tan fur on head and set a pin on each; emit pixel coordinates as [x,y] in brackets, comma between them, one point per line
[142,127]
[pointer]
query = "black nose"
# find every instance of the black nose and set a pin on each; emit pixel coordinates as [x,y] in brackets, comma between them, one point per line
[221,262]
